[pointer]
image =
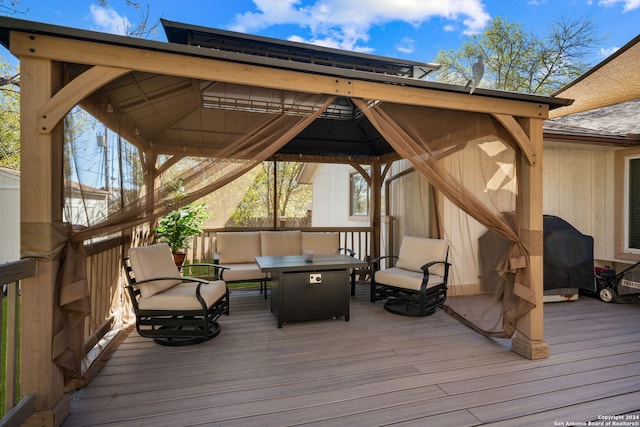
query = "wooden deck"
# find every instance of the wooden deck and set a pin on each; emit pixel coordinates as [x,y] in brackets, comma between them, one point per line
[377,369]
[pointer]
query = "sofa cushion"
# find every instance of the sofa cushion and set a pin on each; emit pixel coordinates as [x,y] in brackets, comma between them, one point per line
[321,243]
[238,247]
[280,243]
[417,251]
[183,297]
[243,271]
[405,279]
[148,262]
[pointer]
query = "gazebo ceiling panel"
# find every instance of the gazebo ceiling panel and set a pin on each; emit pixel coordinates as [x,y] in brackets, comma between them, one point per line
[181,115]
[208,129]
[152,102]
[353,138]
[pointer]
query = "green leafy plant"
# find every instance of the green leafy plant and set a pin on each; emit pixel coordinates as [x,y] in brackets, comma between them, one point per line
[178,226]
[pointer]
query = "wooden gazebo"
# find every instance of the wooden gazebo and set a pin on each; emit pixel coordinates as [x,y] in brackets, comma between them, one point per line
[168,99]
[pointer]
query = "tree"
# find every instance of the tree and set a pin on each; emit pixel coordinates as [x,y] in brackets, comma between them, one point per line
[293,198]
[9,116]
[143,29]
[519,61]
[12,7]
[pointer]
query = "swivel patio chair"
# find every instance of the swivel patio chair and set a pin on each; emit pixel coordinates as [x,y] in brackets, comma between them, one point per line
[170,308]
[417,284]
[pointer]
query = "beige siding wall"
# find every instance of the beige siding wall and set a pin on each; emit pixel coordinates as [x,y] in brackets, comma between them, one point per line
[331,198]
[9,217]
[579,184]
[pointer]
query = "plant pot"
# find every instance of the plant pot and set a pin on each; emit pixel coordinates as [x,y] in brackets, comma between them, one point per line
[178,258]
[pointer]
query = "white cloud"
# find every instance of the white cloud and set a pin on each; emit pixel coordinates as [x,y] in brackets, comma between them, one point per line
[109,21]
[345,24]
[605,52]
[406,45]
[628,5]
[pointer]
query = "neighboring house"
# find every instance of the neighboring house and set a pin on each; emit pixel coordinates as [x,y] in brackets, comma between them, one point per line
[580,181]
[94,204]
[9,214]
[86,206]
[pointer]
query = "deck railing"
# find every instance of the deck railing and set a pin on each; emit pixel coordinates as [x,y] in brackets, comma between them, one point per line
[357,239]
[103,274]
[13,412]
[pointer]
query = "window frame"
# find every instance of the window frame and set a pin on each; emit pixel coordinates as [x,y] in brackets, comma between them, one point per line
[623,160]
[627,204]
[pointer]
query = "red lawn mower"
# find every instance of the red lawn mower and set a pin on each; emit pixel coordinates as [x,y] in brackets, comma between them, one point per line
[623,286]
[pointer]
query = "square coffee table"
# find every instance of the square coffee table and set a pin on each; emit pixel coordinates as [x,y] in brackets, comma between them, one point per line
[309,290]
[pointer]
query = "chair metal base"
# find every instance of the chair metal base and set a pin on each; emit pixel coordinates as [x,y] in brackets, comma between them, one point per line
[406,308]
[214,330]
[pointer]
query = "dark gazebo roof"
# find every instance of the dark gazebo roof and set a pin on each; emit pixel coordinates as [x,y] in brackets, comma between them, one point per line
[303,53]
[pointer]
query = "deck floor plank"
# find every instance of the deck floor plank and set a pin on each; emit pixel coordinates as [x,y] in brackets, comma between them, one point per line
[377,369]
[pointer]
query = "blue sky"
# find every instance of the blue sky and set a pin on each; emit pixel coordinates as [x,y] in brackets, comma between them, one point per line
[410,29]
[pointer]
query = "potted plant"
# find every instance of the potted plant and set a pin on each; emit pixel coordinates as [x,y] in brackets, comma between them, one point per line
[177,227]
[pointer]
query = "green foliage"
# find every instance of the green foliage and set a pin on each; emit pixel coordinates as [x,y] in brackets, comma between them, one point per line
[3,355]
[293,198]
[9,119]
[520,61]
[178,226]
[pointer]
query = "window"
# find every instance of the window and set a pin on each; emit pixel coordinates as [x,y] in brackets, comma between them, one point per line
[359,195]
[632,204]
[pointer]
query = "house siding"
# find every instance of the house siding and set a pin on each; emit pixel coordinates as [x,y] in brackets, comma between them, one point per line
[9,216]
[579,183]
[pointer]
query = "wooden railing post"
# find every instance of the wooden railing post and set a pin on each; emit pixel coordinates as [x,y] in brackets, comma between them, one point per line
[10,275]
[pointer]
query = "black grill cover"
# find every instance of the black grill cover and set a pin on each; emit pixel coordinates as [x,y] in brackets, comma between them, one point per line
[568,256]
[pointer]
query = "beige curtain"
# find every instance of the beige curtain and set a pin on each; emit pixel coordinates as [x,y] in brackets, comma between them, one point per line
[424,135]
[257,143]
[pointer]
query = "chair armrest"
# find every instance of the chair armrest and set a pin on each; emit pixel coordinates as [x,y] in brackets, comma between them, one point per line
[349,252]
[181,278]
[376,261]
[425,268]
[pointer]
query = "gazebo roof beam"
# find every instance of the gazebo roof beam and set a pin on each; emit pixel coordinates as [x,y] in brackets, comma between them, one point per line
[207,66]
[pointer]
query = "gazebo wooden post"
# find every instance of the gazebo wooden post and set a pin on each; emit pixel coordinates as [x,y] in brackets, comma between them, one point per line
[40,212]
[376,207]
[151,180]
[529,338]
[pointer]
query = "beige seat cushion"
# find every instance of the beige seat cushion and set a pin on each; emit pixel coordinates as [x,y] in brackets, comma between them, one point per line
[321,243]
[148,262]
[238,247]
[417,251]
[405,279]
[244,271]
[183,297]
[280,243]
